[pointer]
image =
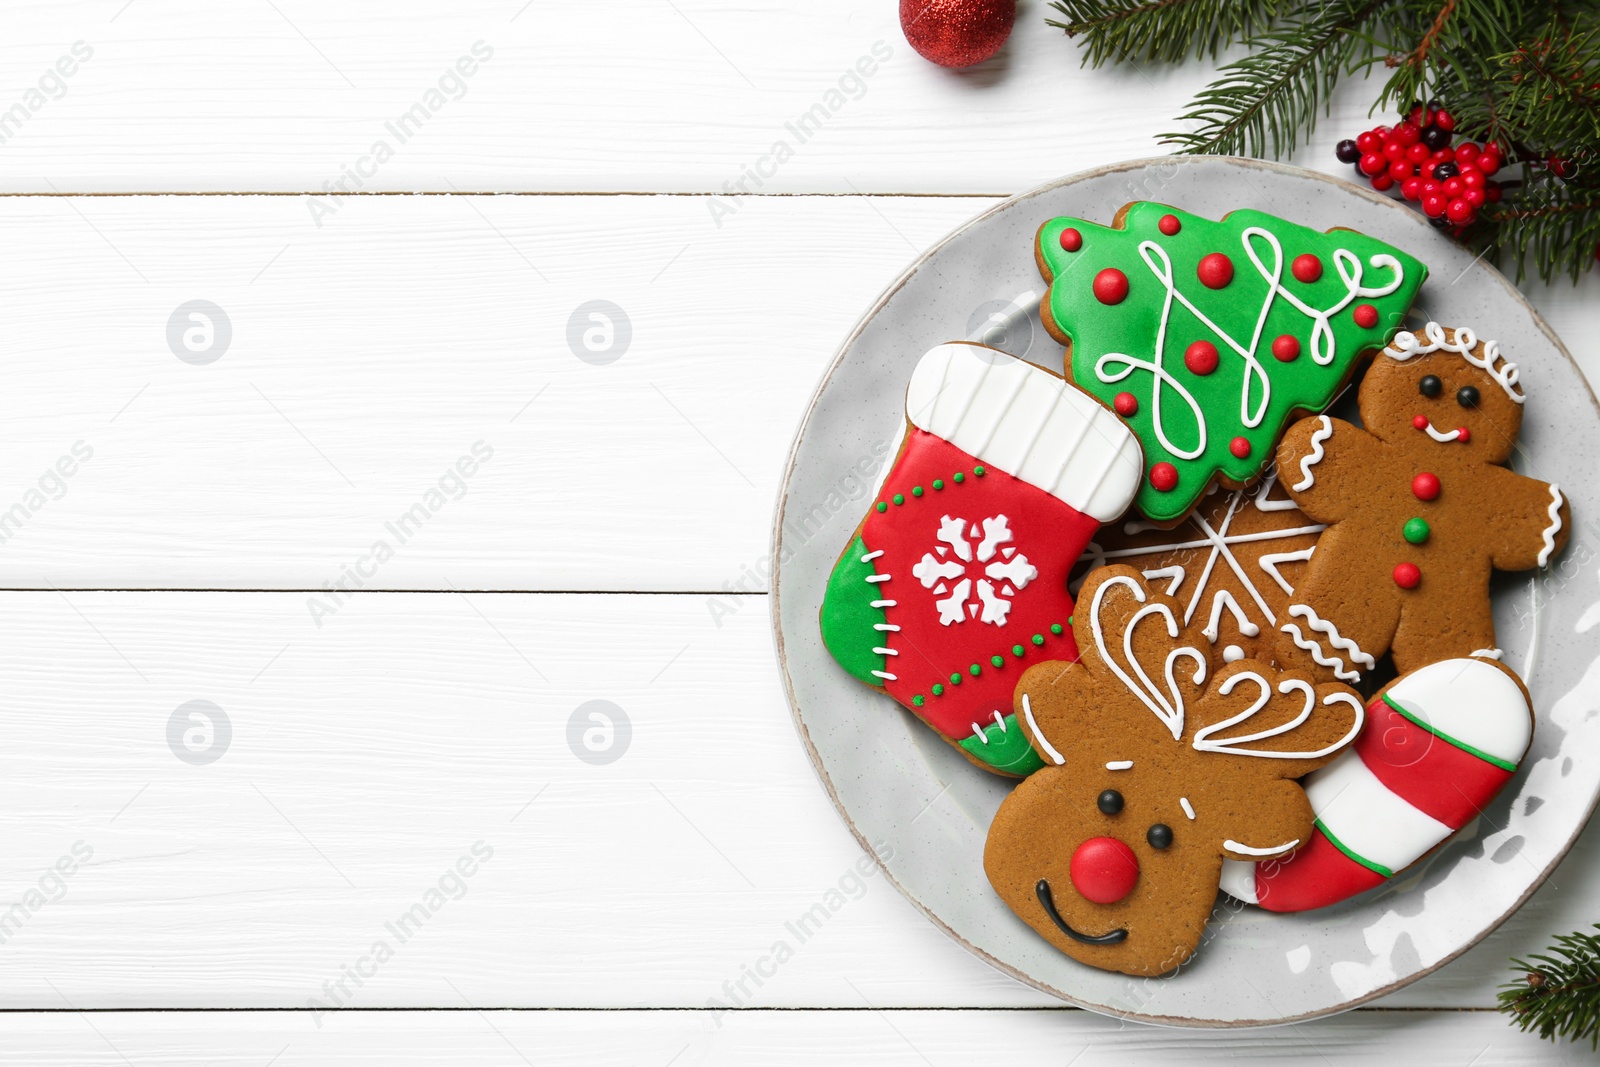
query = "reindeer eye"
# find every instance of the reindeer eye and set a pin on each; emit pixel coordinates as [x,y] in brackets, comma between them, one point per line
[1159,835]
[1467,396]
[1430,386]
[1110,802]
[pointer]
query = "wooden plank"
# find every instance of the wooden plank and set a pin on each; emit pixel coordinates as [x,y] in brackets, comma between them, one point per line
[369,358]
[682,97]
[882,1038]
[364,759]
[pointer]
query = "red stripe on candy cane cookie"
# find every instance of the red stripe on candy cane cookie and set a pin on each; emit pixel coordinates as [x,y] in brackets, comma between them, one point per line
[1434,776]
[1314,877]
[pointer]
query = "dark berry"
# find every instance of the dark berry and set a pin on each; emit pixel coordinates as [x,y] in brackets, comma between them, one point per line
[1110,802]
[1445,171]
[1348,151]
[1159,836]
[1439,223]
[1435,138]
[1430,386]
[1467,396]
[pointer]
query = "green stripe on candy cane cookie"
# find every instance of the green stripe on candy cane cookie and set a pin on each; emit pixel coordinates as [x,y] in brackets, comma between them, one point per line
[1207,337]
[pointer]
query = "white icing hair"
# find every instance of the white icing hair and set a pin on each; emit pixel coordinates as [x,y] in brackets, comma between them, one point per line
[1407,344]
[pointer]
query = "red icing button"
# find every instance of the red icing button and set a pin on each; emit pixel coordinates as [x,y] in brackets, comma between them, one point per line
[1306,268]
[1425,486]
[1169,224]
[1164,476]
[1407,575]
[1215,270]
[1286,348]
[1366,316]
[1104,870]
[1240,447]
[1071,239]
[1126,404]
[1463,434]
[1110,286]
[1201,357]
[1419,422]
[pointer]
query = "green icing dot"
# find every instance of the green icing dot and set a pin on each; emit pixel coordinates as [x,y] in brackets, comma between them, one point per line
[998,661]
[1018,650]
[1055,628]
[917,700]
[916,490]
[938,483]
[938,689]
[882,506]
[960,477]
[1038,639]
[899,498]
[1070,618]
[979,471]
[1416,531]
[955,679]
[975,670]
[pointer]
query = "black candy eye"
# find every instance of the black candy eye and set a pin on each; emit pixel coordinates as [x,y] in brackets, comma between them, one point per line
[1110,802]
[1467,396]
[1159,835]
[1430,386]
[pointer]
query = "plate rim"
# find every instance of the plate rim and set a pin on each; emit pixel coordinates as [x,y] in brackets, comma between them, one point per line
[817,765]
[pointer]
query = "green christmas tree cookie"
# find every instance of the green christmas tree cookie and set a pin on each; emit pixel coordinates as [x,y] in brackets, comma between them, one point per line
[1208,337]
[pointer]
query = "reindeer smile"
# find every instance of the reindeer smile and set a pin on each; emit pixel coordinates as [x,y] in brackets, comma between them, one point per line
[1114,937]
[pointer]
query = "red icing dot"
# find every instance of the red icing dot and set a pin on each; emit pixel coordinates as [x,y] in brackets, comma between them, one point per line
[1201,357]
[1407,575]
[1104,870]
[1169,224]
[1306,268]
[1463,434]
[1425,486]
[1071,239]
[1215,270]
[1126,404]
[1240,447]
[1419,422]
[1286,348]
[1164,477]
[1366,316]
[1110,286]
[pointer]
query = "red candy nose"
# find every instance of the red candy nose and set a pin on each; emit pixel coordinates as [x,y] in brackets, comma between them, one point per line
[1104,870]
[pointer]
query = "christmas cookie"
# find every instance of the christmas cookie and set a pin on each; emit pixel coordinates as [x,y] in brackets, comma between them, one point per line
[1232,563]
[1420,510]
[1438,745]
[956,580]
[1157,770]
[1208,337]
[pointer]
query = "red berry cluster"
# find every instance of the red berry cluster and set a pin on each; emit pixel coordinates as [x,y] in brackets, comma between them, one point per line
[1449,182]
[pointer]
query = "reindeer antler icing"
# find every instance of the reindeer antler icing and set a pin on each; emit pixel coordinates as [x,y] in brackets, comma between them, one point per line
[1202,738]
[1170,712]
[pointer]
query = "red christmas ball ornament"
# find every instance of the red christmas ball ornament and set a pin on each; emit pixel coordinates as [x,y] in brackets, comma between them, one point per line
[1306,268]
[1126,404]
[1110,286]
[1215,270]
[1240,447]
[957,33]
[1164,477]
[1201,358]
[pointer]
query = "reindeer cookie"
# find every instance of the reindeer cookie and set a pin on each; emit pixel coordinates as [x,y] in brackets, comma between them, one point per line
[1156,771]
[1420,510]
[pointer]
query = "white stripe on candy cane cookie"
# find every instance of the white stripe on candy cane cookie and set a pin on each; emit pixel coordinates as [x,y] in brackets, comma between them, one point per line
[1364,816]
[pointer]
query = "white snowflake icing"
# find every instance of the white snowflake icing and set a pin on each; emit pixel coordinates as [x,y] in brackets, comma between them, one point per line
[982,583]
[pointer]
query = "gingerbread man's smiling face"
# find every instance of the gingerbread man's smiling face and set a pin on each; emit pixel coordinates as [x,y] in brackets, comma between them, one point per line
[1443,393]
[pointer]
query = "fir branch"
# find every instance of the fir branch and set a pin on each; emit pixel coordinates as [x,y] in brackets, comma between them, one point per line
[1160,31]
[1559,994]
[1269,99]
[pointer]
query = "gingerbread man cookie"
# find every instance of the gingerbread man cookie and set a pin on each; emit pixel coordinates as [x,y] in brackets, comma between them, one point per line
[1420,510]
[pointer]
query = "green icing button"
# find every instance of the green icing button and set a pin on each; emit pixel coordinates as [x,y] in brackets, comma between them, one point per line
[975,670]
[938,483]
[1018,651]
[916,490]
[960,477]
[998,661]
[1038,639]
[1007,749]
[938,689]
[1416,531]
[899,498]
[1055,628]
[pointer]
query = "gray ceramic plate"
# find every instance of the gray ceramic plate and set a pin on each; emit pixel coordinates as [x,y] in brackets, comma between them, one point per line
[894,781]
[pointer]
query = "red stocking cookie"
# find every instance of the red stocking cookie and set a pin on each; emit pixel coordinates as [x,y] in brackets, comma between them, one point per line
[956,581]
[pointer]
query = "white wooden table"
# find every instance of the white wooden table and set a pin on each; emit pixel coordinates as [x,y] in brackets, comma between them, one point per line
[174,512]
